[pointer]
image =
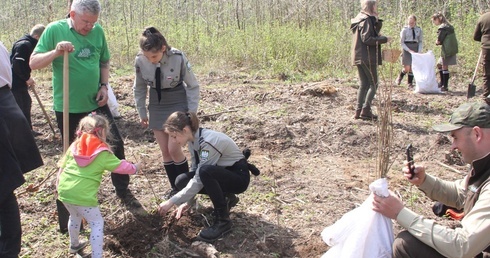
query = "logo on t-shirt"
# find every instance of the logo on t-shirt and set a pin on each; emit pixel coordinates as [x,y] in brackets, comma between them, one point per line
[85,52]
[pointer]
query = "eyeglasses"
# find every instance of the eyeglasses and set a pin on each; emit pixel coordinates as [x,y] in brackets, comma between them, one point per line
[88,23]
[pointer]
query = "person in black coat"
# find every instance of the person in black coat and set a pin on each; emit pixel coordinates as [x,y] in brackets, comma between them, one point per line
[21,72]
[18,155]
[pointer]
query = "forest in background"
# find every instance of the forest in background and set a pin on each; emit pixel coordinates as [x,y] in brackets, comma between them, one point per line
[294,40]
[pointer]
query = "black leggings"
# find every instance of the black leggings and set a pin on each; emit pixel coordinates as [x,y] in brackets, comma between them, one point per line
[219,180]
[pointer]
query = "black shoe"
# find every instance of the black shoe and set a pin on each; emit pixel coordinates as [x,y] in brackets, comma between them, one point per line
[231,201]
[128,199]
[34,133]
[220,228]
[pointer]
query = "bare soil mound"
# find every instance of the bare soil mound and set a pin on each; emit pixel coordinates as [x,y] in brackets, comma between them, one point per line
[316,163]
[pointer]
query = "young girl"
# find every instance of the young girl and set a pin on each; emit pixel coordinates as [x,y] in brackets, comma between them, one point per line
[173,87]
[366,55]
[411,40]
[81,169]
[220,170]
[446,37]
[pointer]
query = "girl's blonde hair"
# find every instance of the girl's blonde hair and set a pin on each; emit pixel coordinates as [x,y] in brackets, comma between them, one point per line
[94,124]
[178,120]
[368,6]
[440,17]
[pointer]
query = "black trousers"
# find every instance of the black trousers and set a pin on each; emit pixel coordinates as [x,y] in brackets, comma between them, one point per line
[486,71]
[18,154]
[24,101]
[219,180]
[10,227]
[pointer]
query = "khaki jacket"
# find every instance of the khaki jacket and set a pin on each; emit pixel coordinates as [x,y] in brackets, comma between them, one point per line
[366,41]
[175,70]
[472,193]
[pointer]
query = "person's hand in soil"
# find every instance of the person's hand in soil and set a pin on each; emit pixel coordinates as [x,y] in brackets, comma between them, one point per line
[164,207]
[388,206]
[139,167]
[419,174]
[144,122]
[180,210]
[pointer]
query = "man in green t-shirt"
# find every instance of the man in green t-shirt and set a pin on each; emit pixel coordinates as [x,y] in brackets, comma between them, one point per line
[84,39]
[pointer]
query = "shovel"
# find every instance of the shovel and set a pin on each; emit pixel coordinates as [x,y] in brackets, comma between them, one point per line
[44,110]
[472,86]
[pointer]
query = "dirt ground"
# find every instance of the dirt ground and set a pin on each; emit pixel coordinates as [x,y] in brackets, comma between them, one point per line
[316,163]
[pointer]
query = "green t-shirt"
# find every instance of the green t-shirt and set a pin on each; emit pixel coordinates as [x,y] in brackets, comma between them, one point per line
[84,64]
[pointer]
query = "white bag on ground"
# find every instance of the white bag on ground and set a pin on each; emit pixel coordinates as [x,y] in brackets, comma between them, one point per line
[423,68]
[112,102]
[362,232]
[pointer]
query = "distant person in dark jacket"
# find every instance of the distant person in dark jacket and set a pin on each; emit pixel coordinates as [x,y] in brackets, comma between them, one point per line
[21,72]
[482,34]
[446,38]
[366,55]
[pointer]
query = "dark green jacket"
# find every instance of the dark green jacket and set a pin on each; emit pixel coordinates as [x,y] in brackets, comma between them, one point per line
[447,38]
[366,41]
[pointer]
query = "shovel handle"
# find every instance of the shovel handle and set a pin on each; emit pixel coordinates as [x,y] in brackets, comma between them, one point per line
[476,68]
[66,102]
[33,89]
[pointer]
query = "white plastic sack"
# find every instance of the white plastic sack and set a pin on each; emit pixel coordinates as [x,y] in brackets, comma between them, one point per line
[362,232]
[423,68]
[112,102]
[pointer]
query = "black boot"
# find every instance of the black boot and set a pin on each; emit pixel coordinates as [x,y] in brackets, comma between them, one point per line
[410,80]
[181,167]
[221,225]
[445,80]
[172,174]
[441,82]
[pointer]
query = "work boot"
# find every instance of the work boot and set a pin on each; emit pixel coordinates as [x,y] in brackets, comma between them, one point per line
[367,114]
[221,225]
[128,198]
[358,114]
[399,78]
[231,201]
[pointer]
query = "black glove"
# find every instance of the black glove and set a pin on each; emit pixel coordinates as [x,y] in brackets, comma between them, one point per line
[251,167]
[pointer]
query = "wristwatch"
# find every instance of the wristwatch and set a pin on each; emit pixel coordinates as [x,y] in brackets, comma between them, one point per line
[103,84]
